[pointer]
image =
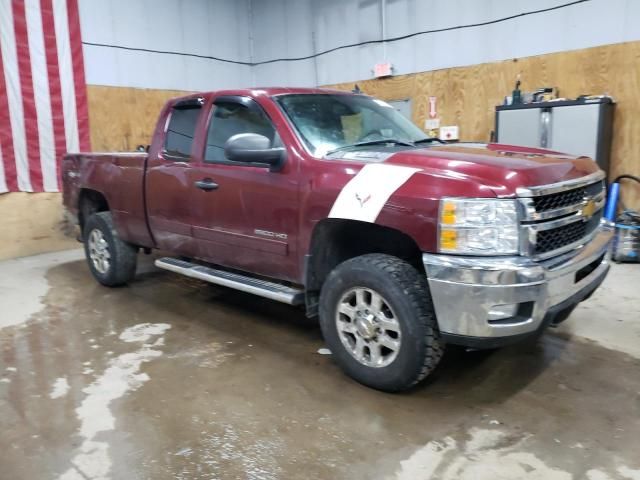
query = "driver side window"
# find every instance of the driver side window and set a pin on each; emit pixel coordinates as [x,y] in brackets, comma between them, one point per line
[230,118]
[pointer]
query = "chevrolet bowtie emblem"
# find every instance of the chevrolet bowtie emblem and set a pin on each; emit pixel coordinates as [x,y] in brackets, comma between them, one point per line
[589,209]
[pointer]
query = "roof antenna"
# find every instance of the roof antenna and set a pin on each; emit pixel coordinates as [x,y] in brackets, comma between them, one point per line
[356,89]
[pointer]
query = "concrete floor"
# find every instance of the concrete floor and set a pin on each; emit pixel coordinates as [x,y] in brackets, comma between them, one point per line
[173,378]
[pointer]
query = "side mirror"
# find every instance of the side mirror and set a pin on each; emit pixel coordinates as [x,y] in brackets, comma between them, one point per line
[254,148]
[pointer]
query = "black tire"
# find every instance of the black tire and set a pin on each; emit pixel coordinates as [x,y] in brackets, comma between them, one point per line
[123,256]
[406,292]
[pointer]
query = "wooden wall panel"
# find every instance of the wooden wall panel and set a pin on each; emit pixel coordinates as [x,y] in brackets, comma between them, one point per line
[33,223]
[467,96]
[120,118]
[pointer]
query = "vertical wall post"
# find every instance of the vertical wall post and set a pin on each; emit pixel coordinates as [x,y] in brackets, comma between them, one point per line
[252,73]
[383,27]
[314,45]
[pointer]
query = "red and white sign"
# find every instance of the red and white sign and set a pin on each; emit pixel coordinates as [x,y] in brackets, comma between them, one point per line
[449,132]
[433,111]
[43,101]
[382,70]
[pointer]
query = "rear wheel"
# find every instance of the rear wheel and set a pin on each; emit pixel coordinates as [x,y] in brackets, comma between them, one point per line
[111,260]
[377,318]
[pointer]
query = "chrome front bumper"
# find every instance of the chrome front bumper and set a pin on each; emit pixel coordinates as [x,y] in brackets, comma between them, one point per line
[464,290]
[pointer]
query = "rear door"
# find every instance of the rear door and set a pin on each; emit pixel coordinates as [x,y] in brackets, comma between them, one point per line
[170,180]
[249,221]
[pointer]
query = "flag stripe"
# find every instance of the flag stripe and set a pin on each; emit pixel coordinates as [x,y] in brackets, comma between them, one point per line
[77,60]
[55,90]
[66,75]
[3,181]
[42,97]
[14,96]
[30,115]
[6,135]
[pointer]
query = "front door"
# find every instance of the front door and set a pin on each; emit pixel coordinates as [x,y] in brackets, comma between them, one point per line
[249,221]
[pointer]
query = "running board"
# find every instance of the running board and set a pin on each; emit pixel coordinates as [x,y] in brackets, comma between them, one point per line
[262,288]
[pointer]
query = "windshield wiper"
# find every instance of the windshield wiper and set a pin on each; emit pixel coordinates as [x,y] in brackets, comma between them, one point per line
[392,141]
[430,140]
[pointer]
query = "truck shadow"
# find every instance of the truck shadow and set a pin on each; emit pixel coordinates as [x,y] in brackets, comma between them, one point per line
[486,375]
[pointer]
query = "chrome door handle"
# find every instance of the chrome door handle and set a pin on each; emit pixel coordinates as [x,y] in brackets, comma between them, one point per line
[206,184]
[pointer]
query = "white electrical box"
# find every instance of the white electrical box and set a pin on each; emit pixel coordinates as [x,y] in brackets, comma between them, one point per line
[431,123]
[450,132]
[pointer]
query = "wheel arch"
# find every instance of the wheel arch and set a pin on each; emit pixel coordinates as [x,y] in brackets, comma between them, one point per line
[90,201]
[334,241]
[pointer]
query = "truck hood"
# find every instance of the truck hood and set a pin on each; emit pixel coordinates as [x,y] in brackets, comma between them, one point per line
[501,168]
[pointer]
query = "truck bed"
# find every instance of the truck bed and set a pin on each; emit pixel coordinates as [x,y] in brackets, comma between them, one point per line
[117,176]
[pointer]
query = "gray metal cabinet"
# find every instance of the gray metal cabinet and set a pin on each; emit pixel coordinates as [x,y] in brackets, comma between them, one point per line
[580,127]
[403,106]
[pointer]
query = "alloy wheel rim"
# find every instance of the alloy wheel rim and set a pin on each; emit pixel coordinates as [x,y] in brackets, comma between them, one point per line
[99,251]
[368,328]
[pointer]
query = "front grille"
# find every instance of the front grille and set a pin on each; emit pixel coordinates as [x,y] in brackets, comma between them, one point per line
[549,240]
[560,207]
[556,238]
[559,237]
[567,198]
[558,200]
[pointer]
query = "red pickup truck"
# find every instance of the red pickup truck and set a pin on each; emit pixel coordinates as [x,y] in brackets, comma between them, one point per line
[334,201]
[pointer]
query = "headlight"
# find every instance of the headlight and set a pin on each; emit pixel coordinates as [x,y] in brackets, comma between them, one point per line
[478,226]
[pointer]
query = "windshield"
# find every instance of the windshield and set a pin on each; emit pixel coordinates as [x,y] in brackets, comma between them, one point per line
[327,122]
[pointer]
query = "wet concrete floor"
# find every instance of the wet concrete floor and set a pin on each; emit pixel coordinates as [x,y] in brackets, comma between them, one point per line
[171,378]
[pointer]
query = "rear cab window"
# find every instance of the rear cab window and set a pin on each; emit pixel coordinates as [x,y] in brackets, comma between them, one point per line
[181,129]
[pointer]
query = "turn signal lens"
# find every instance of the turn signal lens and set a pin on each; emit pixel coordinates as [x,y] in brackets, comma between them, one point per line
[448,239]
[448,215]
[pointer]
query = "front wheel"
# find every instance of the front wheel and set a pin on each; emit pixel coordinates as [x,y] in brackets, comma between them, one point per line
[377,318]
[111,260]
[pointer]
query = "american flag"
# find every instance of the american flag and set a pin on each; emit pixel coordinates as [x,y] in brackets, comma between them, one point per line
[43,100]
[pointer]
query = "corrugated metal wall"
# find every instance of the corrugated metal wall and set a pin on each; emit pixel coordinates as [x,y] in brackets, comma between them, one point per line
[259,30]
[203,27]
[283,28]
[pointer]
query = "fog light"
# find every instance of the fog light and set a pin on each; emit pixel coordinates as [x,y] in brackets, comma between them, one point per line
[500,312]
